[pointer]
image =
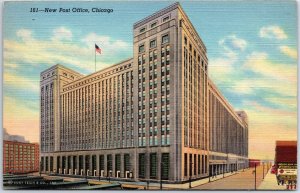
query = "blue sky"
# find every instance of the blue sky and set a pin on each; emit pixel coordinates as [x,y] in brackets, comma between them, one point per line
[251,47]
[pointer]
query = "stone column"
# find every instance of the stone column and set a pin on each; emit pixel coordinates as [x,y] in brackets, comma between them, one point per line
[67,164]
[90,166]
[83,161]
[60,165]
[122,174]
[98,164]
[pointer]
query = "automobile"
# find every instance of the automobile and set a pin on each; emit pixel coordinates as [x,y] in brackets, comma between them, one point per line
[273,169]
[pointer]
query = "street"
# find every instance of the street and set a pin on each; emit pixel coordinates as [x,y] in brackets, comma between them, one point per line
[240,181]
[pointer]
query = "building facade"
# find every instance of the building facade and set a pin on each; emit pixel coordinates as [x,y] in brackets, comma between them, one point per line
[228,133]
[143,118]
[20,158]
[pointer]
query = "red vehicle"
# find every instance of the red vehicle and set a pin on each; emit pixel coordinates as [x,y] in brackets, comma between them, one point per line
[273,169]
[286,162]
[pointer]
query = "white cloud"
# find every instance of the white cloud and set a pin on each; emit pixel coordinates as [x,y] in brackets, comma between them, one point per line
[233,44]
[272,32]
[221,68]
[288,51]
[270,77]
[106,43]
[20,82]
[62,33]
[77,55]
[260,63]
[24,34]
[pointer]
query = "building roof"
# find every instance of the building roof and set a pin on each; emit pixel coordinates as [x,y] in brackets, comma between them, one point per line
[27,143]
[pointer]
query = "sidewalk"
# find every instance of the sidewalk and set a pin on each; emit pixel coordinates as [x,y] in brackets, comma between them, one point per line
[184,185]
[270,183]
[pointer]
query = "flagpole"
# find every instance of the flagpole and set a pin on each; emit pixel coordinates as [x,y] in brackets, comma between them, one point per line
[95,58]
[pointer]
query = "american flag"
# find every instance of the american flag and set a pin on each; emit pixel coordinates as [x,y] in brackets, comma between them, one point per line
[97,49]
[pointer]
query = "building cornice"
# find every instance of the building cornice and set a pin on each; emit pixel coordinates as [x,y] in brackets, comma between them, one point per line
[156,15]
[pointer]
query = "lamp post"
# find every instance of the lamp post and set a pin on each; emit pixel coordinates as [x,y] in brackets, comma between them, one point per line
[109,175]
[99,173]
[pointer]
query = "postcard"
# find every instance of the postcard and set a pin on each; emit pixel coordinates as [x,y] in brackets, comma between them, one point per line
[150,95]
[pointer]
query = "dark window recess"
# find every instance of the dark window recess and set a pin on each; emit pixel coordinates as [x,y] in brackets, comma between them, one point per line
[101,162]
[165,166]
[80,163]
[74,163]
[153,44]
[142,165]
[199,166]
[46,163]
[63,163]
[195,169]
[202,164]
[141,48]
[191,164]
[51,164]
[109,163]
[42,163]
[142,30]
[127,162]
[153,24]
[117,163]
[69,162]
[166,18]
[87,163]
[165,39]
[94,164]
[153,165]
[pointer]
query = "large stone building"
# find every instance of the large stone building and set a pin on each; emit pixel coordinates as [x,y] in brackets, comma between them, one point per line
[155,116]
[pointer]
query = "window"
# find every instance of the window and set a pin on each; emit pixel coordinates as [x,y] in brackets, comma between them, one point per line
[142,30]
[109,163]
[117,163]
[185,40]
[152,43]
[101,162]
[153,24]
[142,165]
[153,165]
[165,166]
[165,39]
[142,48]
[185,164]
[166,18]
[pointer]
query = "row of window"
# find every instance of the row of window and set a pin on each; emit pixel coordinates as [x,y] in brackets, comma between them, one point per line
[152,44]
[154,24]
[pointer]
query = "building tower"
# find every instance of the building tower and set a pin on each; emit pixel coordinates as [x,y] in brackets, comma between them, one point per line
[52,81]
